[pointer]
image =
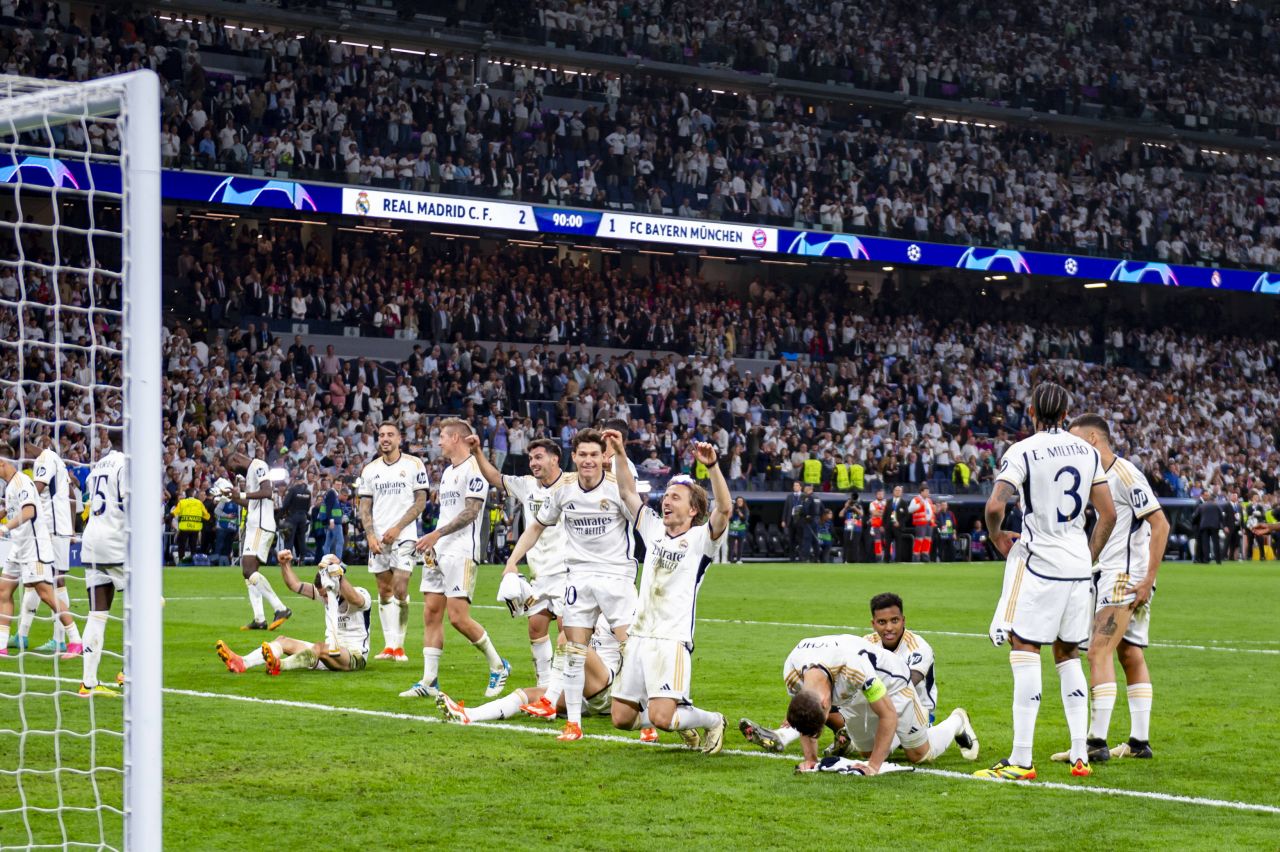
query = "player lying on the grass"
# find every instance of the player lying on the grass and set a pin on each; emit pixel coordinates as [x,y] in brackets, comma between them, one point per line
[679,544]
[346,644]
[259,534]
[872,691]
[1124,581]
[30,561]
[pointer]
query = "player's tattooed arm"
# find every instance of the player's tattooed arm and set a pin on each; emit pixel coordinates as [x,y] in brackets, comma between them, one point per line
[291,581]
[1105,508]
[414,512]
[468,514]
[366,522]
[1001,494]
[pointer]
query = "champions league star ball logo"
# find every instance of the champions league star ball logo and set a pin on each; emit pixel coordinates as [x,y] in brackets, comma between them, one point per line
[913,253]
[1071,266]
[759,238]
[362,203]
[828,245]
[57,174]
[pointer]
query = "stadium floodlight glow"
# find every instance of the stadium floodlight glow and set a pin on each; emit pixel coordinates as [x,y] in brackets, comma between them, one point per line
[1096,285]
[278,474]
[887,268]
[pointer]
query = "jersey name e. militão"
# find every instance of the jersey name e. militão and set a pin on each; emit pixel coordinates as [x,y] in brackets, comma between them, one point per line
[597,527]
[458,484]
[1128,550]
[56,499]
[673,570]
[29,542]
[859,671]
[546,557]
[1054,472]
[392,489]
[261,512]
[105,540]
[353,623]
[918,655]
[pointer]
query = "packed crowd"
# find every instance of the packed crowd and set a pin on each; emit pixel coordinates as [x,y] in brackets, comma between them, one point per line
[459,125]
[1164,61]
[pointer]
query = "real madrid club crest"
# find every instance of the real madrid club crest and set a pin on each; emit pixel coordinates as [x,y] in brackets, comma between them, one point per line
[362,203]
[604,505]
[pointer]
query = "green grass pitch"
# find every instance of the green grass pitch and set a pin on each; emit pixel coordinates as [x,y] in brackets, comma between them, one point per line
[302,765]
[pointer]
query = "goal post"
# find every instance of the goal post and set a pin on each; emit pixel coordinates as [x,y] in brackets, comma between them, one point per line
[77,234]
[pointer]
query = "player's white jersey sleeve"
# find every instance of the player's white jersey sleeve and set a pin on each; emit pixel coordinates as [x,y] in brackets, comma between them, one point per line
[105,540]
[546,557]
[393,488]
[597,527]
[353,623]
[261,512]
[30,541]
[674,567]
[1054,472]
[51,471]
[1128,549]
[458,484]
[857,668]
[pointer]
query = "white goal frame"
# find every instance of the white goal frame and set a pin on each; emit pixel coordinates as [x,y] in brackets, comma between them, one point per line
[137,96]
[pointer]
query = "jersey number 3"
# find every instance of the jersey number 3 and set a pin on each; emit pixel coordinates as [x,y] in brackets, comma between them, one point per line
[1072,491]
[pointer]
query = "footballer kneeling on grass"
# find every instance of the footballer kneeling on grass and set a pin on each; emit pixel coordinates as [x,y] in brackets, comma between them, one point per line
[346,644]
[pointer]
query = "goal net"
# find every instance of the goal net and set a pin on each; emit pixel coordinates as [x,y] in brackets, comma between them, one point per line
[80,360]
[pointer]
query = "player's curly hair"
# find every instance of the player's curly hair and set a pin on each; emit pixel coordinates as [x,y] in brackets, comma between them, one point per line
[1050,401]
[806,713]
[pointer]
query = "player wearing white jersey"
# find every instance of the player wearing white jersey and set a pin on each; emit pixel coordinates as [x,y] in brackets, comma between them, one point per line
[259,534]
[1047,595]
[546,558]
[449,575]
[1124,581]
[54,487]
[30,559]
[346,644]
[872,693]
[598,554]
[103,547]
[392,494]
[889,625]
[678,546]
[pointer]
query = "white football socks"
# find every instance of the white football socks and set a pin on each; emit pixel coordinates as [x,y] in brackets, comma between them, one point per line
[1140,697]
[31,603]
[1104,702]
[943,734]
[59,632]
[574,676]
[688,718]
[389,617]
[431,664]
[264,586]
[4,635]
[1075,702]
[255,599]
[253,658]
[71,630]
[502,708]
[542,653]
[95,630]
[1026,704]
[787,735]
[555,683]
[485,646]
[402,622]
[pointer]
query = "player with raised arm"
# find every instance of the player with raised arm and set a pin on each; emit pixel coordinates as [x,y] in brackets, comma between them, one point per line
[872,691]
[30,561]
[1124,581]
[1047,597]
[259,534]
[679,545]
[598,553]
[546,558]
[449,574]
[102,549]
[54,486]
[392,494]
[346,644]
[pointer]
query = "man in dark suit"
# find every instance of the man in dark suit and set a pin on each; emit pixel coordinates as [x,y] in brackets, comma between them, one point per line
[1207,519]
[895,521]
[792,520]
[1231,511]
[914,471]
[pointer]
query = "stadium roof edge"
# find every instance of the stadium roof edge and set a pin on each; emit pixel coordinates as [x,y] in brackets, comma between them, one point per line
[729,80]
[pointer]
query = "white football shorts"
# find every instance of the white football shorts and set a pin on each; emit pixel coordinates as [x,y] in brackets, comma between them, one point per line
[61,554]
[588,596]
[548,593]
[394,557]
[257,542]
[29,573]
[913,721]
[451,576]
[101,575]
[654,668]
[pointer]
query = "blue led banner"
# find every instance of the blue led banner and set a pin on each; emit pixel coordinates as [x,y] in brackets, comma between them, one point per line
[402,205]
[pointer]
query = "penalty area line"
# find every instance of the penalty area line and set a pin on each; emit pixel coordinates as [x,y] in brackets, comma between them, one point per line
[1200,801]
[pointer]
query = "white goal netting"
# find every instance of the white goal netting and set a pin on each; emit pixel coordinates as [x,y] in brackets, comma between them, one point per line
[79,360]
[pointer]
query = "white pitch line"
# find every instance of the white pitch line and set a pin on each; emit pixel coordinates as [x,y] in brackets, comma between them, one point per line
[613,738]
[859,629]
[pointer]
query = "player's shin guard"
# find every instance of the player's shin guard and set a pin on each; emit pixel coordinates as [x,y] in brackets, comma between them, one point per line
[264,588]
[542,653]
[60,633]
[389,617]
[31,603]
[1026,704]
[255,599]
[1075,702]
[575,656]
[95,630]
[689,718]
[506,707]
[1104,701]
[1140,697]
